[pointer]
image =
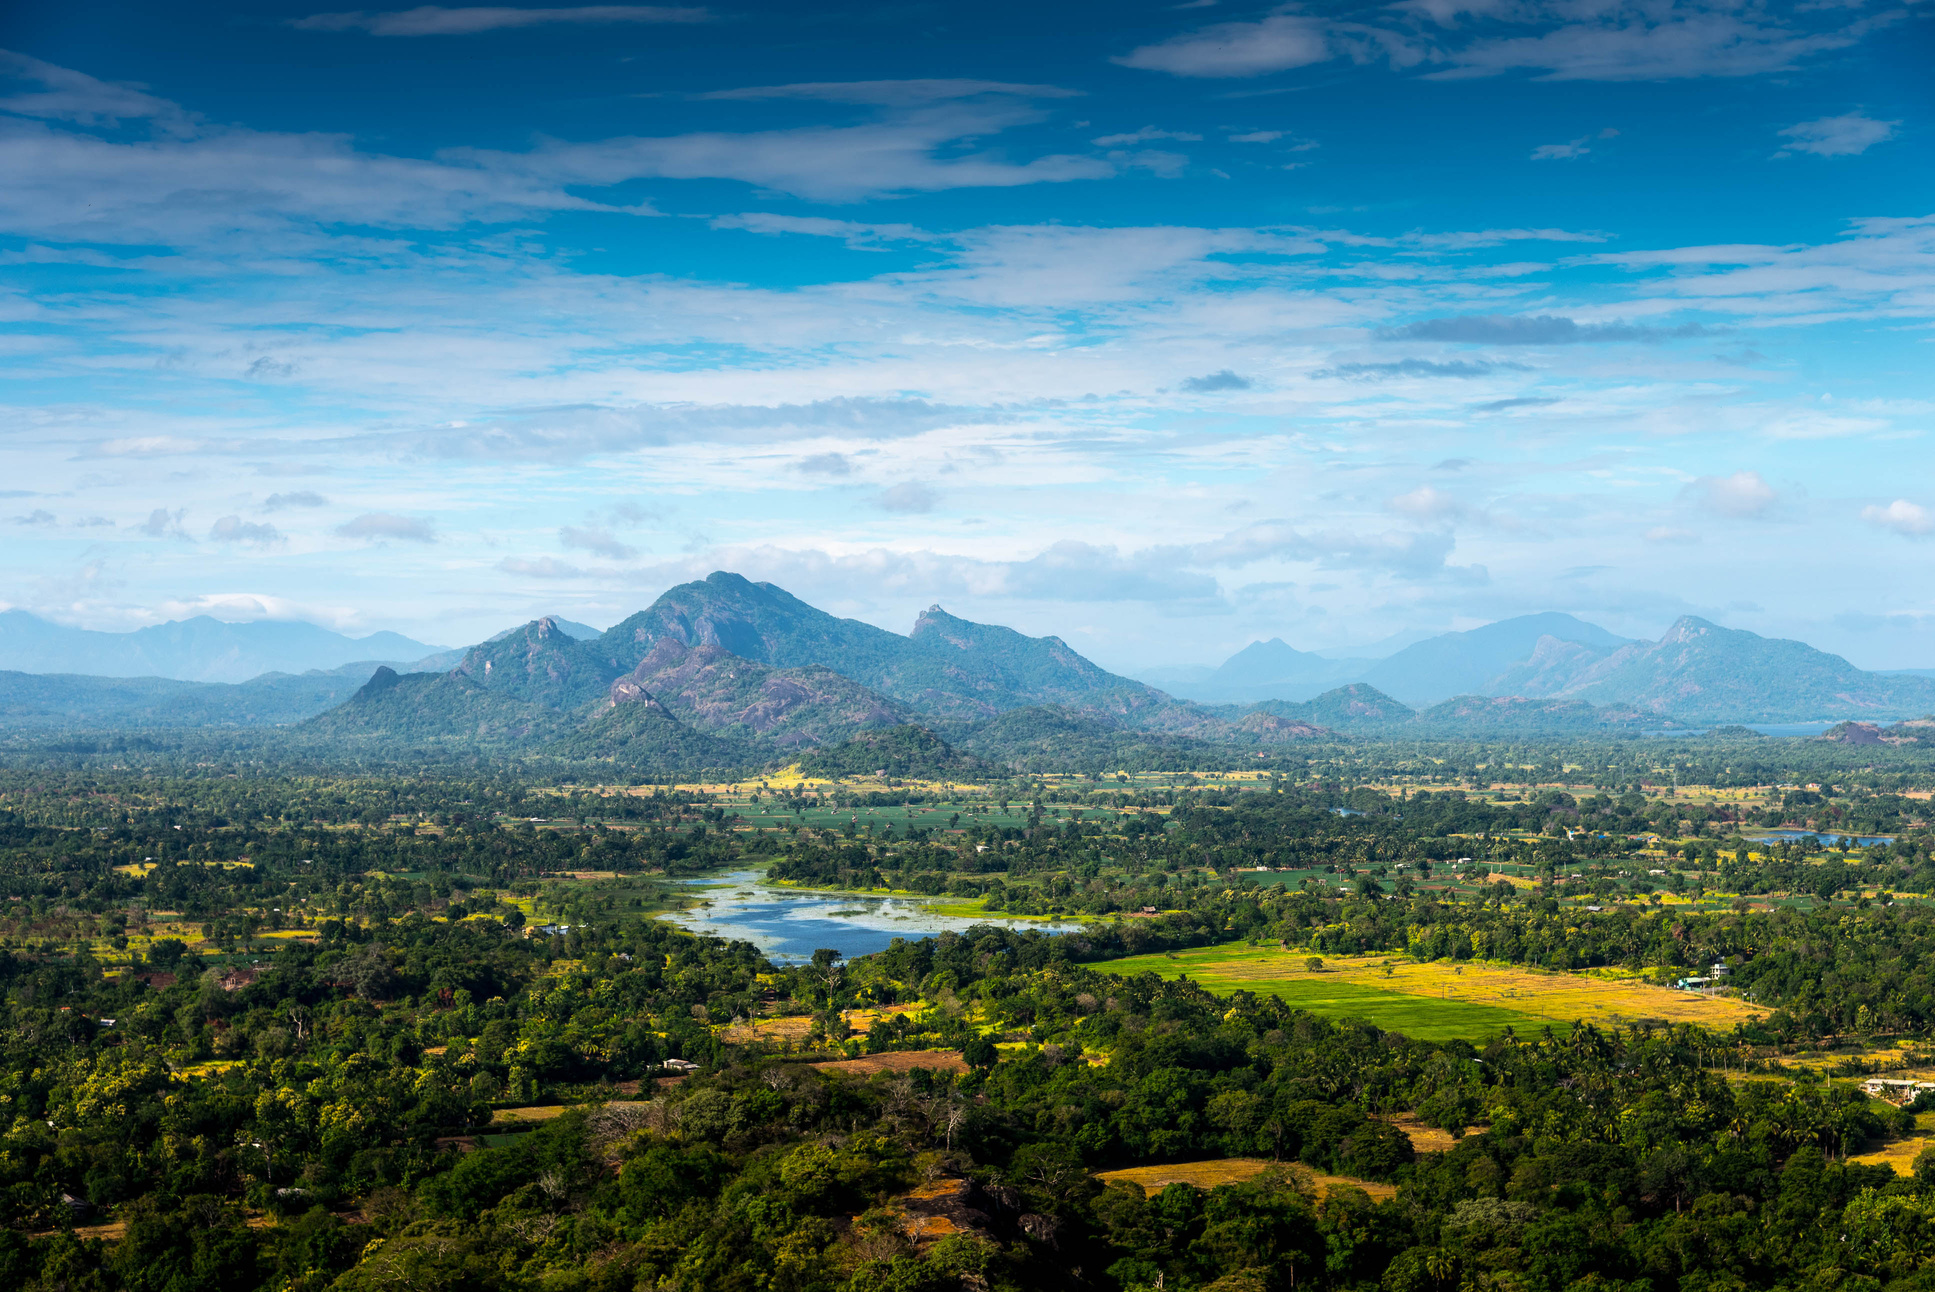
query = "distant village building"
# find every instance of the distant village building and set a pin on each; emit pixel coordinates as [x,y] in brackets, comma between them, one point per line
[1895,1091]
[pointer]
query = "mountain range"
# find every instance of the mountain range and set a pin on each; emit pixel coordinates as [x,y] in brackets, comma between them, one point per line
[193,650]
[1697,672]
[727,672]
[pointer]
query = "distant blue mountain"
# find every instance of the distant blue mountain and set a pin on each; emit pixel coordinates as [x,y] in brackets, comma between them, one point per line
[192,650]
[1466,663]
[1423,673]
[1268,670]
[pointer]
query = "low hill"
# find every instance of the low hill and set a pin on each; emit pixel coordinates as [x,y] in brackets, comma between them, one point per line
[641,735]
[410,709]
[1358,707]
[907,752]
[1494,715]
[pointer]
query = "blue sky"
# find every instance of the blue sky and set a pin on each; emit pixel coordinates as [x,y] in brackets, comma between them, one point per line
[1161,327]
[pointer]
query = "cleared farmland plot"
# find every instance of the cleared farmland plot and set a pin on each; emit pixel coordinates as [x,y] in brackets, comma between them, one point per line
[1438,1000]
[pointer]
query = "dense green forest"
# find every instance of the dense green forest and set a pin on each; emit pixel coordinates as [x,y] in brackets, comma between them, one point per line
[303,1031]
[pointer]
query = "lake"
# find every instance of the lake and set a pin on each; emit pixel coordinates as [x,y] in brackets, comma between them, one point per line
[790,924]
[1825,836]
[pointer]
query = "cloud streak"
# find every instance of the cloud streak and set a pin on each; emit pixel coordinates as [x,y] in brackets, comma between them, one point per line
[1541,329]
[435,20]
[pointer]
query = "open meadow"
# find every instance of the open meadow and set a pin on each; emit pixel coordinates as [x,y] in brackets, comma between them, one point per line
[1438,1000]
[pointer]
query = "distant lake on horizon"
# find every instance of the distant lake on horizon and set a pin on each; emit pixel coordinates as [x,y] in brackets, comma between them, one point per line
[790,924]
[1825,836]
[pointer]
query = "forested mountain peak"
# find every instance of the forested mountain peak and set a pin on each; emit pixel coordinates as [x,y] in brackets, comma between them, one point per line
[540,663]
[757,621]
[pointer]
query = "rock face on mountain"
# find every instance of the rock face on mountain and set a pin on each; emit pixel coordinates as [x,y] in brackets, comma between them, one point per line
[711,689]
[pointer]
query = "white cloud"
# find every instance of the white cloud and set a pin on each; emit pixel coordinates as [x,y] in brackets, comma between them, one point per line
[68,95]
[434,20]
[247,607]
[898,154]
[379,525]
[910,497]
[826,464]
[1744,495]
[1903,517]
[855,235]
[298,498]
[162,523]
[1432,506]
[189,181]
[1848,135]
[598,542]
[1258,137]
[233,529]
[1562,152]
[1669,43]
[1231,49]
[544,567]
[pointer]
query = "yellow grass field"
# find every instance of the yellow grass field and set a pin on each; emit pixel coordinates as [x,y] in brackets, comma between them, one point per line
[1603,1000]
[1563,997]
[1234,1170]
[1424,1139]
[791,1027]
[541,1113]
[1901,1154]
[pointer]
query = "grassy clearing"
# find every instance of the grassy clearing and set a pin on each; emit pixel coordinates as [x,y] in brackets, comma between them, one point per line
[1424,1139]
[1900,1154]
[540,1113]
[1428,1018]
[1235,1170]
[1437,998]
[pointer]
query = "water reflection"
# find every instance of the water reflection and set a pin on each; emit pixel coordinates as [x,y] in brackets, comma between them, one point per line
[789,924]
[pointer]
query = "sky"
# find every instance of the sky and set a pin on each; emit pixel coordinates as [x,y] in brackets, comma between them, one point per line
[1160,327]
